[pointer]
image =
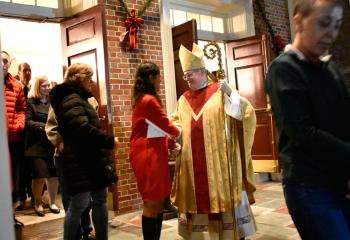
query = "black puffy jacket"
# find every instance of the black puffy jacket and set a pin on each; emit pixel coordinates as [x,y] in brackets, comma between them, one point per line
[86,159]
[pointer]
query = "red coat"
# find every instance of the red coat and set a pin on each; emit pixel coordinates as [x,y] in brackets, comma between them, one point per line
[15,103]
[149,155]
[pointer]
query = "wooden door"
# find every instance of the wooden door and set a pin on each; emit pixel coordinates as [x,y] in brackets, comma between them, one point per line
[248,60]
[83,40]
[185,34]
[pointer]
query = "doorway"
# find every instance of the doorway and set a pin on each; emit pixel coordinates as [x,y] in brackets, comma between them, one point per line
[39,44]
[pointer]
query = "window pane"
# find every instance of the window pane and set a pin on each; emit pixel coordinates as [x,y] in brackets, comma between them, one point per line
[179,17]
[239,23]
[195,16]
[47,3]
[28,2]
[4,0]
[218,24]
[205,23]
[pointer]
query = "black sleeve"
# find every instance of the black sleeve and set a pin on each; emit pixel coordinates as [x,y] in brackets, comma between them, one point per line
[291,104]
[31,122]
[76,123]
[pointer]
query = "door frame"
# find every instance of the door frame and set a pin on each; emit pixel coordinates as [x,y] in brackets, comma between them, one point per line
[168,57]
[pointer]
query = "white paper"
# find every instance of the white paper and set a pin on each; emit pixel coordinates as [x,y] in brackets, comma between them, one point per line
[153,131]
[233,105]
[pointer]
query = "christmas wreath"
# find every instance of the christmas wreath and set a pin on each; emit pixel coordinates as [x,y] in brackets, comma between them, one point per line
[133,22]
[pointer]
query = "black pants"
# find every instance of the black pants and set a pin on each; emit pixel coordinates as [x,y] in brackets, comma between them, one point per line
[16,154]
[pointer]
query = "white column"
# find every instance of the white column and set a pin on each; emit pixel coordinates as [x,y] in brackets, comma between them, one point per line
[168,57]
[6,218]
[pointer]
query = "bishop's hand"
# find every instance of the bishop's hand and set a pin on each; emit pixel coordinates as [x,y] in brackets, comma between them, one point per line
[225,88]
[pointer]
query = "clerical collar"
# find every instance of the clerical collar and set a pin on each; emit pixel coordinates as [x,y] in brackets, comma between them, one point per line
[301,56]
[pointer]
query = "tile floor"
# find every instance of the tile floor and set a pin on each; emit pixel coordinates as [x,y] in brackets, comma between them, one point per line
[271,215]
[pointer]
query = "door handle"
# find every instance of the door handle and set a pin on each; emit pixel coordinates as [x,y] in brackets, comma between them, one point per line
[102,118]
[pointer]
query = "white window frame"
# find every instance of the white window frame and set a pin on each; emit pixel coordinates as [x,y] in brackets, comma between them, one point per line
[30,11]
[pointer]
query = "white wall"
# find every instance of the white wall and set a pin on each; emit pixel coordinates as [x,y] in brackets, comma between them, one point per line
[39,44]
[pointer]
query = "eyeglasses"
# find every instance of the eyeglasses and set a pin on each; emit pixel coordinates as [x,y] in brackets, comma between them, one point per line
[187,76]
[190,74]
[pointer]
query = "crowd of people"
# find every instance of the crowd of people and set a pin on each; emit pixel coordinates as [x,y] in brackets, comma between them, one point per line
[49,132]
[55,139]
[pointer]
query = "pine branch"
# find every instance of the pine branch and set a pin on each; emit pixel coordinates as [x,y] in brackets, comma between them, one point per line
[144,8]
[125,8]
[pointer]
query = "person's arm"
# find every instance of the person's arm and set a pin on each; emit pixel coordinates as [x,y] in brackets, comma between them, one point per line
[156,115]
[20,110]
[30,122]
[76,122]
[175,117]
[232,101]
[51,129]
[290,102]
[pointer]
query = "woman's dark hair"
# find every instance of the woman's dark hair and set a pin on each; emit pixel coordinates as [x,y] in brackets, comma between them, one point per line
[143,83]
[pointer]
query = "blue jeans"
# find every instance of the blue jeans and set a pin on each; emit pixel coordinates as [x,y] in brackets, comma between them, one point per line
[86,226]
[79,202]
[318,213]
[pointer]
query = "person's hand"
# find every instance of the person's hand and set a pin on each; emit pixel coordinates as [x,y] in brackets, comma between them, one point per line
[225,88]
[60,147]
[116,140]
[176,149]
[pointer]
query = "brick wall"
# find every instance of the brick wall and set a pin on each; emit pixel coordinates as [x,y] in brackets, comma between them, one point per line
[341,51]
[277,13]
[122,66]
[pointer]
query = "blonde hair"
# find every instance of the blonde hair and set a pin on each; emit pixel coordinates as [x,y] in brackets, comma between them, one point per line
[35,89]
[78,72]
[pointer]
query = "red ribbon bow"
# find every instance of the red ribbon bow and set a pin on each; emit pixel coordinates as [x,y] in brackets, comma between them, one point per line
[132,24]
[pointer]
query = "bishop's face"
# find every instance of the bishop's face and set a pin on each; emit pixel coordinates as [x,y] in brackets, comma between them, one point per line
[196,79]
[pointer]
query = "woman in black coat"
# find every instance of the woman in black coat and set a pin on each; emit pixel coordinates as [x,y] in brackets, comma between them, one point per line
[87,166]
[38,149]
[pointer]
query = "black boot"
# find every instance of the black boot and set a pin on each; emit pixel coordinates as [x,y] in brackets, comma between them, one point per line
[159,224]
[149,228]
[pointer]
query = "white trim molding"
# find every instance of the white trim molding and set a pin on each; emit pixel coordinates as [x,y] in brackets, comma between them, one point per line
[168,57]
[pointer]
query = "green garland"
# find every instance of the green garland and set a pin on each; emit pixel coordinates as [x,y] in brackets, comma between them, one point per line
[140,13]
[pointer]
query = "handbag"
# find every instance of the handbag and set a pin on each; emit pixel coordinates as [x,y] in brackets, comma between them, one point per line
[244,217]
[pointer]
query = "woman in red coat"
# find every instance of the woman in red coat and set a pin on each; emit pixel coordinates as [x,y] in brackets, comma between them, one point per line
[151,132]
